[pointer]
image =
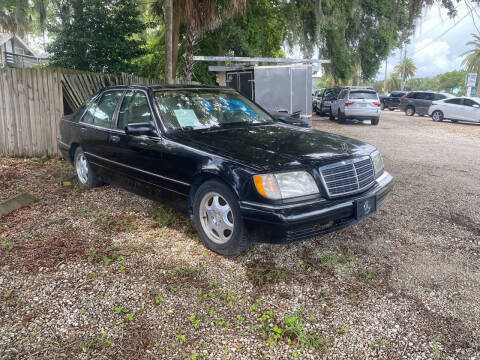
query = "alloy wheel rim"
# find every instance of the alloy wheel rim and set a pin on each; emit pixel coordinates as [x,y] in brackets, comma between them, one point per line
[409,111]
[216,218]
[436,116]
[82,168]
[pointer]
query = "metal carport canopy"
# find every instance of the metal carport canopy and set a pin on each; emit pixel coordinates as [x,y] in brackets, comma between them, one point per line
[260,59]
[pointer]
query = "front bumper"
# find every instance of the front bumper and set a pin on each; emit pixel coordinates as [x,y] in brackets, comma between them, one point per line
[288,223]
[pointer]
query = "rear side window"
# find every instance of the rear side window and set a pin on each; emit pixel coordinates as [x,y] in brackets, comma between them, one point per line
[429,96]
[101,113]
[468,102]
[412,95]
[439,97]
[453,101]
[370,95]
[134,109]
[397,94]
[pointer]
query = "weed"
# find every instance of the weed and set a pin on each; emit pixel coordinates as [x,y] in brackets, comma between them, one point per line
[266,273]
[181,338]
[130,316]
[367,275]
[7,294]
[163,216]
[436,350]
[194,320]
[353,298]
[294,330]
[7,244]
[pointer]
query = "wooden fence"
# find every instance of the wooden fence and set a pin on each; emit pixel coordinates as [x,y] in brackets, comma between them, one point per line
[31,105]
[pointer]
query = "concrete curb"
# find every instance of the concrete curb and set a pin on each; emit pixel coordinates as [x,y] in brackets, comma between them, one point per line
[16,203]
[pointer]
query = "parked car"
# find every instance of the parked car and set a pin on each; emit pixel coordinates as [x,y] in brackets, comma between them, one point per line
[245,176]
[356,103]
[292,119]
[456,109]
[316,97]
[418,102]
[392,100]
[325,100]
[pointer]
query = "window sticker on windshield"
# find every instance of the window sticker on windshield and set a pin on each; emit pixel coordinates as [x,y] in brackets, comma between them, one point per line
[186,117]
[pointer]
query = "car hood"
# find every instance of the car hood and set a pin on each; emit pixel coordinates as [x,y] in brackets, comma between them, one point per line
[275,146]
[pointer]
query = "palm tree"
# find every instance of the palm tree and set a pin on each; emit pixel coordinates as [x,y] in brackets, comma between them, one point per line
[471,62]
[199,16]
[405,69]
[394,83]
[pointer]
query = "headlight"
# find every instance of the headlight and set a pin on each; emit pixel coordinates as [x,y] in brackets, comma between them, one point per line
[285,185]
[377,162]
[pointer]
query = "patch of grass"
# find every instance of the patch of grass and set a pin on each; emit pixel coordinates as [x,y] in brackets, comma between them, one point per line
[113,223]
[163,216]
[294,330]
[195,321]
[262,274]
[7,244]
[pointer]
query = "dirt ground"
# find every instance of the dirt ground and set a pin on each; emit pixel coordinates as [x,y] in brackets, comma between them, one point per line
[105,274]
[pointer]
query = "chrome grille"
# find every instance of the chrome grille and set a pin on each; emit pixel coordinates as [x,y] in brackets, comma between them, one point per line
[348,177]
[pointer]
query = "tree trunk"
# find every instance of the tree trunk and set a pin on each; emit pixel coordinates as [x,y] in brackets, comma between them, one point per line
[175,39]
[189,44]
[168,41]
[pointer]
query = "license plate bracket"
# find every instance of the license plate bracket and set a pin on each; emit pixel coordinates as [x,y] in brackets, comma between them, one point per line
[365,207]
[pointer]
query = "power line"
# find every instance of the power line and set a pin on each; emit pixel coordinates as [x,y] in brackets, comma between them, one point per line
[442,34]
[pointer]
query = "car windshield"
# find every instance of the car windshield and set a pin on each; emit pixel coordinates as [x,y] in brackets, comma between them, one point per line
[194,109]
[362,95]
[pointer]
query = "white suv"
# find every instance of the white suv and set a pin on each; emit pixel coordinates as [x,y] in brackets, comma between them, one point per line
[356,103]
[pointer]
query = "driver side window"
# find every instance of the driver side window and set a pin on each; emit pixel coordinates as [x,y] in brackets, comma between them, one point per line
[134,110]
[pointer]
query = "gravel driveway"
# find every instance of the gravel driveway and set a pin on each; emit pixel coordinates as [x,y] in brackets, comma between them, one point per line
[107,274]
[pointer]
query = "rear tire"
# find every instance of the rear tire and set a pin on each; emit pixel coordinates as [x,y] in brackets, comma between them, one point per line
[375,121]
[391,109]
[410,111]
[218,219]
[437,116]
[85,175]
[331,116]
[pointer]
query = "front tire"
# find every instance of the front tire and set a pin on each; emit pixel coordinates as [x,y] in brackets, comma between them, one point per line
[341,117]
[437,116]
[410,111]
[331,116]
[218,219]
[85,175]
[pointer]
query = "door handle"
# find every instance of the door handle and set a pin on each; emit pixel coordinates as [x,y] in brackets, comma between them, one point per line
[115,139]
[83,130]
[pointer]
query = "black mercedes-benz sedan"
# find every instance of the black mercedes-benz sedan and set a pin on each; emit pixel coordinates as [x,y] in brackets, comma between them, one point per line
[246,177]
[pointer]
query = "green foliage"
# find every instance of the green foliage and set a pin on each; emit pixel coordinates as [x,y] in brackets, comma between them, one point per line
[394,83]
[471,61]
[96,35]
[260,32]
[405,68]
[452,82]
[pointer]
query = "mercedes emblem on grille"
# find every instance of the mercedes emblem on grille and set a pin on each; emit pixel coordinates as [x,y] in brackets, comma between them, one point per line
[344,146]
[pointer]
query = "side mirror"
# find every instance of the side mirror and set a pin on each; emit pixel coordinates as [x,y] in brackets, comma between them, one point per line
[140,129]
[476,106]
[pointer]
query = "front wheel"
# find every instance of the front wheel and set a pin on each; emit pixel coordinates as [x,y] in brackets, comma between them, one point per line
[437,116]
[331,116]
[218,219]
[85,175]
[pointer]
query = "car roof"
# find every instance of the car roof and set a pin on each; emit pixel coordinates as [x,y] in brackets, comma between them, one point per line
[165,87]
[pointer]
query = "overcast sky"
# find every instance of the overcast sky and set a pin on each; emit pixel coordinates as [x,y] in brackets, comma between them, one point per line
[438,42]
